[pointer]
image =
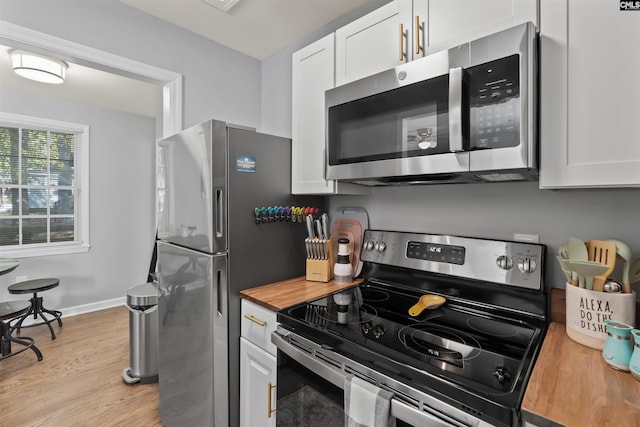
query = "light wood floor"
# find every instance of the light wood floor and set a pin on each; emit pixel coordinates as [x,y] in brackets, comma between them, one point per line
[78,383]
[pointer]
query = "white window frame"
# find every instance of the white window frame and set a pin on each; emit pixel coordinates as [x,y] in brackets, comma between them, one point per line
[81,165]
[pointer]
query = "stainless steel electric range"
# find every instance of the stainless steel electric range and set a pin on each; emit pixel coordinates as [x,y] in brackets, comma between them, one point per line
[463,363]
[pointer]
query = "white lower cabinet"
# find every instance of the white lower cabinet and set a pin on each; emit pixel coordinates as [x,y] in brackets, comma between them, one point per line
[257,386]
[258,364]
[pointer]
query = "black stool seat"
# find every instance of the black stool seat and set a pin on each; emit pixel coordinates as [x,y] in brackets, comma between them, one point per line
[8,311]
[31,286]
[37,308]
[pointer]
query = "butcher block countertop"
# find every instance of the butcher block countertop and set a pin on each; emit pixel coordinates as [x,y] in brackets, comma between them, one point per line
[572,386]
[278,295]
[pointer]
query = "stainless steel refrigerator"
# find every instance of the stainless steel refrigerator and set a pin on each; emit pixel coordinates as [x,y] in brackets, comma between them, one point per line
[210,179]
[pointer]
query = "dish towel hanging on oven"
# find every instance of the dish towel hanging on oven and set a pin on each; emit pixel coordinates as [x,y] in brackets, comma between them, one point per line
[366,405]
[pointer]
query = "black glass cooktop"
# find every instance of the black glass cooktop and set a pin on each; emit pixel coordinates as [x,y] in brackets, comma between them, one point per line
[455,342]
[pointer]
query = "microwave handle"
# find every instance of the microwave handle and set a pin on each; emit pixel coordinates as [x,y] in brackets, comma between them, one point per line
[455,109]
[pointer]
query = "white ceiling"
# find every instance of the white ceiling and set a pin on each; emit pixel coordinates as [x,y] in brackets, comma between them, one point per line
[258,28]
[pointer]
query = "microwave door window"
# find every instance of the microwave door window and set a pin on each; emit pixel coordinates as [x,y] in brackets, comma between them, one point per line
[408,121]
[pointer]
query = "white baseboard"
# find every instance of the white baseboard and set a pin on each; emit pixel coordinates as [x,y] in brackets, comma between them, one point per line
[93,306]
[80,309]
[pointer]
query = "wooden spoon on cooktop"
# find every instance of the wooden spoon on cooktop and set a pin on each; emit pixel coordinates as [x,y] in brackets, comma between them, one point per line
[426,301]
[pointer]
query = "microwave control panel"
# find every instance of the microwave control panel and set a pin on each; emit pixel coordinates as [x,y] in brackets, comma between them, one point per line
[494,104]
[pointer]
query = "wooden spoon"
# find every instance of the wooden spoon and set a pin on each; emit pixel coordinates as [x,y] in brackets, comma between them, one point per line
[426,301]
[605,253]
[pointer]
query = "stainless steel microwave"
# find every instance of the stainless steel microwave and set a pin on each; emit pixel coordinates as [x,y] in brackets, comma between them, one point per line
[467,114]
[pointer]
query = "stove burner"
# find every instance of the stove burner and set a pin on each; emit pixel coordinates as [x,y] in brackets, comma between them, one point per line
[375,295]
[489,327]
[321,315]
[440,343]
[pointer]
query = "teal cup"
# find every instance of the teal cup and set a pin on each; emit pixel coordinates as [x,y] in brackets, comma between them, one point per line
[634,363]
[618,345]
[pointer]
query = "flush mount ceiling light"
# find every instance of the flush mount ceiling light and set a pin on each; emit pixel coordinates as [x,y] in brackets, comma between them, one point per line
[223,5]
[38,67]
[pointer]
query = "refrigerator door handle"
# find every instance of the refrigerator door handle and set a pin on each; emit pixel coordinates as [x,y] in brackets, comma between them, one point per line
[220,286]
[220,219]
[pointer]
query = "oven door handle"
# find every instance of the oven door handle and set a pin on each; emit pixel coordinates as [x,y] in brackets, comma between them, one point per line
[337,377]
[324,370]
[455,110]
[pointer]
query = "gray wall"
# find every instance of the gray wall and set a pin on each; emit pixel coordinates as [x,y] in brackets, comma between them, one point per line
[218,82]
[121,204]
[502,209]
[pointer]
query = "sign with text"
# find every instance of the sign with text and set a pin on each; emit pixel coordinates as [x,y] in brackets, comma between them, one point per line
[587,310]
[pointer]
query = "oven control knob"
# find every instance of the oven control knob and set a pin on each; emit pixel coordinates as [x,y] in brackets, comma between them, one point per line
[378,330]
[366,327]
[504,262]
[502,374]
[368,245]
[381,246]
[527,265]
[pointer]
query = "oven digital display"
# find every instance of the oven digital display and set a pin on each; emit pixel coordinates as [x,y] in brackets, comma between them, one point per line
[436,252]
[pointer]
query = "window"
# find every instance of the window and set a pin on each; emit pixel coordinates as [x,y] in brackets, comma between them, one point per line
[43,186]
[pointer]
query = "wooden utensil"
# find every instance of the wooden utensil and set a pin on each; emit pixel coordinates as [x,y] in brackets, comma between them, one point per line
[426,301]
[605,253]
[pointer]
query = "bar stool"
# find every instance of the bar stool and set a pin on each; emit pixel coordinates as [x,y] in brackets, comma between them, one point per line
[10,310]
[37,309]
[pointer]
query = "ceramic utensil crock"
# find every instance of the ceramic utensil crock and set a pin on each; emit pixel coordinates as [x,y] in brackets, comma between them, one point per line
[617,347]
[634,364]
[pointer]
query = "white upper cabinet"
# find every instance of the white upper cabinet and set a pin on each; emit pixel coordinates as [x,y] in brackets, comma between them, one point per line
[390,35]
[312,75]
[590,95]
[404,30]
[453,22]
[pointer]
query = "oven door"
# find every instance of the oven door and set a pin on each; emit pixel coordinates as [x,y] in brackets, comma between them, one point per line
[401,122]
[305,397]
[311,382]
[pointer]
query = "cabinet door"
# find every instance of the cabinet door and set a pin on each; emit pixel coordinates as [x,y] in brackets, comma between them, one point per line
[590,95]
[452,22]
[257,386]
[312,75]
[375,42]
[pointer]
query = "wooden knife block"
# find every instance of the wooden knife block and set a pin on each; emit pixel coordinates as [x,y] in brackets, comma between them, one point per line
[321,270]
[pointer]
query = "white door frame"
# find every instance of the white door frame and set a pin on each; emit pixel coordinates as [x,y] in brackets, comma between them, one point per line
[18,36]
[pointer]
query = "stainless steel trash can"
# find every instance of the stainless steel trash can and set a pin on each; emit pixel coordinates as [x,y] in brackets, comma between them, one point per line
[142,302]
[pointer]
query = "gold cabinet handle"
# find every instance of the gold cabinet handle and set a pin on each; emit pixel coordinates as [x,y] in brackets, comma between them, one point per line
[403,55]
[254,320]
[419,28]
[270,410]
